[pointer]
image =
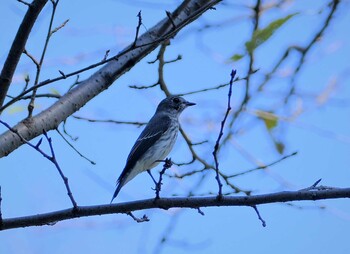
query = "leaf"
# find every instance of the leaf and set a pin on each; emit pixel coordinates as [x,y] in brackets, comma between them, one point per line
[270,120]
[279,147]
[271,123]
[236,57]
[261,36]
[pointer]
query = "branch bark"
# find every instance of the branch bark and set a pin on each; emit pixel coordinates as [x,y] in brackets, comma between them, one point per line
[18,45]
[167,203]
[76,98]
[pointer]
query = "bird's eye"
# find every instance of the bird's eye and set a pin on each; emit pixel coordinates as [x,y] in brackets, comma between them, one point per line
[176,100]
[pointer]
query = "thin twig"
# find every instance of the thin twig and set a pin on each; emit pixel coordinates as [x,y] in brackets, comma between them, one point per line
[76,150]
[143,87]
[66,132]
[64,178]
[24,2]
[304,51]
[59,27]
[106,55]
[259,216]
[178,58]
[40,63]
[64,76]
[168,13]
[51,158]
[313,186]
[200,211]
[264,166]
[26,80]
[31,57]
[138,220]
[108,121]
[216,147]
[167,164]
[44,95]
[138,28]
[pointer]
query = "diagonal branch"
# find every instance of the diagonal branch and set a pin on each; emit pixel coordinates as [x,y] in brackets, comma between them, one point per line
[51,158]
[103,78]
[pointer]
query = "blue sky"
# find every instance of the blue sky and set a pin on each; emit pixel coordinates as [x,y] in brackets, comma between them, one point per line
[30,184]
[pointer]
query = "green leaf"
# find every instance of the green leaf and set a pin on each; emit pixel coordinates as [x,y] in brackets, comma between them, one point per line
[271,123]
[236,57]
[261,36]
[269,119]
[279,147]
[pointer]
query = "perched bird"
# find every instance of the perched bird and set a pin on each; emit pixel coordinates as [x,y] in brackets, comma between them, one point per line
[155,141]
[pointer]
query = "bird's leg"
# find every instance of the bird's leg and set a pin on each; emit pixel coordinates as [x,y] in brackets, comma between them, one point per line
[154,180]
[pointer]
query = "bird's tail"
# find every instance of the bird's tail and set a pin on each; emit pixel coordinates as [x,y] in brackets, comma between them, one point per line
[119,186]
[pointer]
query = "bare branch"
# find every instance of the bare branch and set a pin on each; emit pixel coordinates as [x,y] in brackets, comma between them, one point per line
[31,57]
[78,96]
[108,121]
[168,13]
[167,203]
[167,164]
[106,55]
[44,95]
[216,147]
[18,46]
[23,2]
[59,27]
[143,87]
[262,167]
[40,63]
[51,158]
[138,28]
[76,150]
[138,220]
[259,216]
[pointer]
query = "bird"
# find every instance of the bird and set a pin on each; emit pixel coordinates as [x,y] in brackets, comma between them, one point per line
[155,141]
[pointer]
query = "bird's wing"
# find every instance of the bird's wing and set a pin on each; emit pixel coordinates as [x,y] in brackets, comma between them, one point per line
[152,132]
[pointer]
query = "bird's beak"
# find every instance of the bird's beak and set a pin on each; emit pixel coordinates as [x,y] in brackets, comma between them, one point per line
[190,103]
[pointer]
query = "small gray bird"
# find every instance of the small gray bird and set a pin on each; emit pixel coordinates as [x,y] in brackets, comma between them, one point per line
[155,141]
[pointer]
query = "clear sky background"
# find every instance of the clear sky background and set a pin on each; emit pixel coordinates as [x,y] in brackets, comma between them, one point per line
[321,134]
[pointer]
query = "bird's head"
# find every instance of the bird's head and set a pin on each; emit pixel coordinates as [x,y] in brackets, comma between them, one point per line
[174,105]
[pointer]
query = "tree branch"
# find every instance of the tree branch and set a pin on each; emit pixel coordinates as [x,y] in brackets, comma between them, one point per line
[18,46]
[316,193]
[221,133]
[77,97]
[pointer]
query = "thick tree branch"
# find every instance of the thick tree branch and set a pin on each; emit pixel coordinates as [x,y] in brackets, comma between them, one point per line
[18,46]
[77,97]
[316,193]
